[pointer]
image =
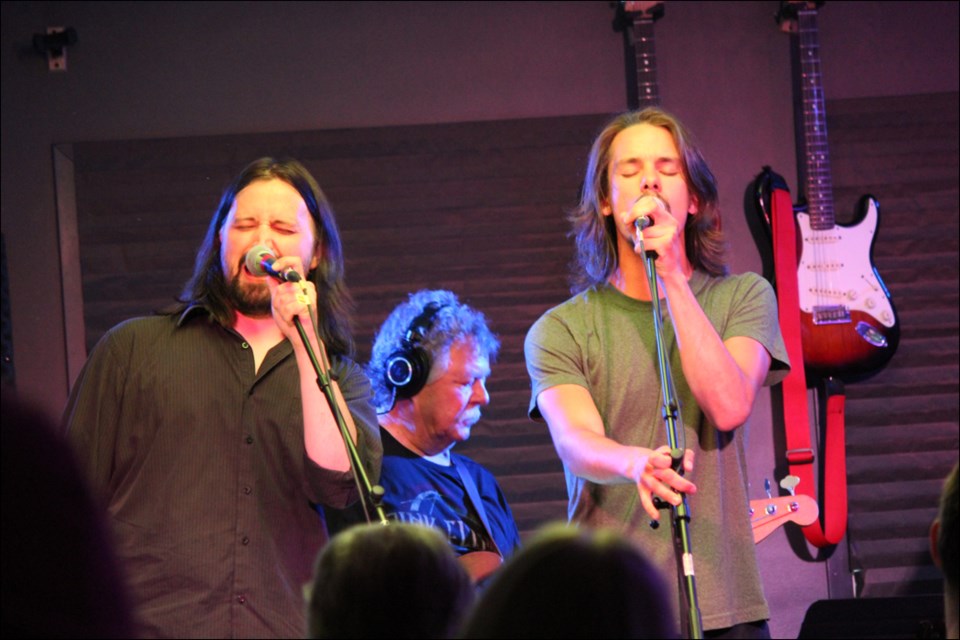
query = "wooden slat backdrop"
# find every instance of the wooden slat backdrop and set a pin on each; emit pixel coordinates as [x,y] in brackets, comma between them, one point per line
[476,208]
[902,424]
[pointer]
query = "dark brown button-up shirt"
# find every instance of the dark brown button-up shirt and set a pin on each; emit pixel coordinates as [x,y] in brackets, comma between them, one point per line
[200,461]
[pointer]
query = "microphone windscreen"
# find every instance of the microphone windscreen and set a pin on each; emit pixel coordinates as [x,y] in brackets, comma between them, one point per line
[255,258]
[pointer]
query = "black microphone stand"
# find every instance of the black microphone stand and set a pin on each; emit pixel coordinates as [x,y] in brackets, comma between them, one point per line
[370,494]
[674,424]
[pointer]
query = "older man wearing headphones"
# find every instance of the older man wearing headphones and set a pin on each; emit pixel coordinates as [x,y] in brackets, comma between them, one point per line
[429,367]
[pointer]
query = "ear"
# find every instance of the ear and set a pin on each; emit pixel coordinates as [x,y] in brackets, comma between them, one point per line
[694,207]
[605,208]
[317,255]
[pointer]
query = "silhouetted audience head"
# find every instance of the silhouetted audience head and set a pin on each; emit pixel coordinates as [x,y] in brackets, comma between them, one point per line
[574,583]
[945,547]
[60,576]
[396,580]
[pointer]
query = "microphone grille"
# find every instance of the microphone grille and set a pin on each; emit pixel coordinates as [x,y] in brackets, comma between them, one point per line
[254,258]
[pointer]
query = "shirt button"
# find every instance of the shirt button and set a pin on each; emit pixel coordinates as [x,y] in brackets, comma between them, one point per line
[244,345]
[249,439]
[244,540]
[247,491]
[242,599]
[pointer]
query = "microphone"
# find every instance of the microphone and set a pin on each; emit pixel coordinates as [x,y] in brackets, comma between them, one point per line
[259,261]
[645,221]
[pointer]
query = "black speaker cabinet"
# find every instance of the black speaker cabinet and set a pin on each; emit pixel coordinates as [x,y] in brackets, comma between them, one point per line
[897,617]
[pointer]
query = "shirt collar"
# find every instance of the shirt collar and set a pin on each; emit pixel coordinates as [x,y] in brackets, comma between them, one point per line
[193,310]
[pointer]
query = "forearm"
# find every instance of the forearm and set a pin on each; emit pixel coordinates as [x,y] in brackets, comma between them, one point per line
[577,431]
[322,436]
[723,390]
[600,459]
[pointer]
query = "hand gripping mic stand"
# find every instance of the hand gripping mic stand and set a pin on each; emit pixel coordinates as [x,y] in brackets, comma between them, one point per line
[322,369]
[693,625]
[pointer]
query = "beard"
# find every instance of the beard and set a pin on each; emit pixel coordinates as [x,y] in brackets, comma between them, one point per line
[249,298]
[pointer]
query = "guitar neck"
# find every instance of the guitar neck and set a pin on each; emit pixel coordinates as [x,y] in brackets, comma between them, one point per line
[818,186]
[641,38]
[636,20]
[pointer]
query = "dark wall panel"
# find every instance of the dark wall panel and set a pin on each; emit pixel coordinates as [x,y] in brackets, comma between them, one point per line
[902,424]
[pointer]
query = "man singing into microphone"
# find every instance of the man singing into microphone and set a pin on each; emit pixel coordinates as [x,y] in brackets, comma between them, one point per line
[204,429]
[593,364]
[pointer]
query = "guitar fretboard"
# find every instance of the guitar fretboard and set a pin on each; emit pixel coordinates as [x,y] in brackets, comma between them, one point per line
[641,38]
[817,181]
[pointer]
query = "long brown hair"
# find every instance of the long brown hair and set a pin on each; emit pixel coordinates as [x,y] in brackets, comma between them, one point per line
[208,285]
[596,234]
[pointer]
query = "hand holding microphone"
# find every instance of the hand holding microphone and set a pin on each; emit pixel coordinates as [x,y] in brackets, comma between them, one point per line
[648,202]
[644,220]
[288,302]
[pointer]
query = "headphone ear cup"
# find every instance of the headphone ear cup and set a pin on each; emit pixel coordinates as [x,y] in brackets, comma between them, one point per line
[408,368]
[407,371]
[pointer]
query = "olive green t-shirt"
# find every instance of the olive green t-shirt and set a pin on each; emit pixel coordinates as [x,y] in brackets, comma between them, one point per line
[604,341]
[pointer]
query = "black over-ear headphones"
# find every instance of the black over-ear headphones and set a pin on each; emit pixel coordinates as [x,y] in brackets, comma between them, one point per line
[408,367]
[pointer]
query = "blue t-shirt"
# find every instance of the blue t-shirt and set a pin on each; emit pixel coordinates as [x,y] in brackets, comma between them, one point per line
[423,492]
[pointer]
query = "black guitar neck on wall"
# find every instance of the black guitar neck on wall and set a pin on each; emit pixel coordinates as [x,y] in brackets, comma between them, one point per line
[636,20]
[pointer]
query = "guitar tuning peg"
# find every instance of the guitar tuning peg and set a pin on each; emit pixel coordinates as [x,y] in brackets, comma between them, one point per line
[766,487]
[789,483]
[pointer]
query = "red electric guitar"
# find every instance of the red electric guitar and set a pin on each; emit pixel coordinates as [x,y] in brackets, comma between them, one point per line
[849,327]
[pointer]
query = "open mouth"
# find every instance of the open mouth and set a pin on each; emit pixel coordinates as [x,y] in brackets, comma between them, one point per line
[245,268]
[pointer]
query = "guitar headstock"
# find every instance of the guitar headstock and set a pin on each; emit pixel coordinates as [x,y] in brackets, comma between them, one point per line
[767,514]
[630,12]
[786,15]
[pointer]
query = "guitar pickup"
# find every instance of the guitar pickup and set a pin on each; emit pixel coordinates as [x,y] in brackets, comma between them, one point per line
[834,314]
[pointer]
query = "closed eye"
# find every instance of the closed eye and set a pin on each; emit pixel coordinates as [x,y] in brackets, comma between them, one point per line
[284,228]
[668,166]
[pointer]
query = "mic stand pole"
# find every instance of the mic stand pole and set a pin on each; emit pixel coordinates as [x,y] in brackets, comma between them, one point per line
[372,494]
[674,425]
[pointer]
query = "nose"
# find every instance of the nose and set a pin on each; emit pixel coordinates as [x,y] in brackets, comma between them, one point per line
[650,178]
[265,235]
[480,394]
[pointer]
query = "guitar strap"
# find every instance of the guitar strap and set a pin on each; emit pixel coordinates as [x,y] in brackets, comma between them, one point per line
[800,453]
[474,495]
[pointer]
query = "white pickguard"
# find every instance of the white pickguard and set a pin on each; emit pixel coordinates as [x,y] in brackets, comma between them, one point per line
[835,268]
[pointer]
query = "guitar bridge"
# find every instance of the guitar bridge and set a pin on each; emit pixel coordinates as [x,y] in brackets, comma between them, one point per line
[834,314]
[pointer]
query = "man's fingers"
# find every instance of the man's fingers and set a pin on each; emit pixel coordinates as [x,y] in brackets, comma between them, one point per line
[647,501]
